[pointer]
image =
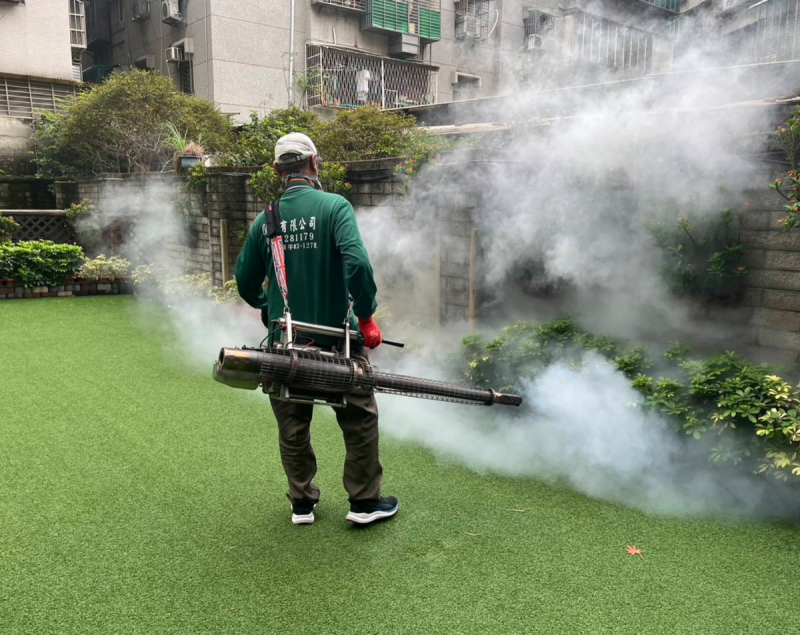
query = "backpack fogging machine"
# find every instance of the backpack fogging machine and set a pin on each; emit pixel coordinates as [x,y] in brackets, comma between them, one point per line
[289,371]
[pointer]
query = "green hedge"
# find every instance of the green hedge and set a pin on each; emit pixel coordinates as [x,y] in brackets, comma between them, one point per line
[752,412]
[40,263]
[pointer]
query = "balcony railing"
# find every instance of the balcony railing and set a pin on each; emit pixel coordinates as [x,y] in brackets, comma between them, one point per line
[611,44]
[341,78]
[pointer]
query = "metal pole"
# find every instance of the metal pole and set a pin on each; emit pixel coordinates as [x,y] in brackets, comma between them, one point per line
[291,55]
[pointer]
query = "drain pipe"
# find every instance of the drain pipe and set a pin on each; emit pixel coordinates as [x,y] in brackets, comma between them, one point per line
[291,55]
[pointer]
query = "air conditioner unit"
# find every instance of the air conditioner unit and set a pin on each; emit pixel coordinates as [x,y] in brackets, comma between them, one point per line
[171,12]
[174,55]
[534,42]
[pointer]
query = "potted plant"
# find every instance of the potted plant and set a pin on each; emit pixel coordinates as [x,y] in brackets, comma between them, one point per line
[187,153]
[8,226]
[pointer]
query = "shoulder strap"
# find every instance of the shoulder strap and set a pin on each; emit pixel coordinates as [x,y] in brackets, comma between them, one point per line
[273,219]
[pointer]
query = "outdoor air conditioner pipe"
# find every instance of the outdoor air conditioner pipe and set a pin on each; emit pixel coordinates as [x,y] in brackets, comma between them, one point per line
[328,374]
[291,54]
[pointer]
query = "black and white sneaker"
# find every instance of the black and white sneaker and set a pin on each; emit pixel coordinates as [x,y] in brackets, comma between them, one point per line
[366,513]
[303,512]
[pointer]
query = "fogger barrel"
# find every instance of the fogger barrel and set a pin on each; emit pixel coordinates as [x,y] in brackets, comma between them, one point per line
[321,373]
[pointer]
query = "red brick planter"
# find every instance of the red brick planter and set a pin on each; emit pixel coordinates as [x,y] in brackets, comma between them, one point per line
[10,290]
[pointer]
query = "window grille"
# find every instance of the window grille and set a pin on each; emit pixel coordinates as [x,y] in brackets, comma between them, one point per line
[22,97]
[600,41]
[340,78]
[466,88]
[77,24]
[669,5]
[415,17]
[354,5]
[140,10]
[186,77]
[472,19]
[539,29]
[778,32]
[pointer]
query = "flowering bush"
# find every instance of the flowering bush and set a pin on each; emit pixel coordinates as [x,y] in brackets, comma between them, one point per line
[788,186]
[102,267]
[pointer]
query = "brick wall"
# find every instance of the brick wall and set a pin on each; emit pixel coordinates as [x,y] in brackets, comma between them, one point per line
[25,192]
[773,284]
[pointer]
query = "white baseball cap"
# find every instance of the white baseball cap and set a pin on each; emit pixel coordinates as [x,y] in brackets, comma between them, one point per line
[294,146]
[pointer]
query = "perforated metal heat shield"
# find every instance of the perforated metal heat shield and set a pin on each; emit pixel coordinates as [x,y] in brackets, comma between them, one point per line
[326,374]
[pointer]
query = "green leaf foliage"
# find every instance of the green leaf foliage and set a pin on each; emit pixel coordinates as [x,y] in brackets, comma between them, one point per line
[752,412]
[124,126]
[39,263]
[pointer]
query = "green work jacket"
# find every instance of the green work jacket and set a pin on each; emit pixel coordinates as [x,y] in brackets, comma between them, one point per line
[326,262]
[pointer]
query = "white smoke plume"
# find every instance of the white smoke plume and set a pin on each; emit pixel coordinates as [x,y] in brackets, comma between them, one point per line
[573,188]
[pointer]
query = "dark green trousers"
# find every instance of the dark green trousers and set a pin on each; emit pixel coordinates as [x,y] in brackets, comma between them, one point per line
[362,468]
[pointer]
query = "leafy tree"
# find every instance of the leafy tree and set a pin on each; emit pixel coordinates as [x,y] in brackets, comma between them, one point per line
[364,133]
[255,144]
[122,126]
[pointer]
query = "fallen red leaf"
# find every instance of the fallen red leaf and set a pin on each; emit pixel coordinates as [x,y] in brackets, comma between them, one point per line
[633,551]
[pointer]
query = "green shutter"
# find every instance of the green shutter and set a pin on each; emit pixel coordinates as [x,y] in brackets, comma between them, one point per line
[430,24]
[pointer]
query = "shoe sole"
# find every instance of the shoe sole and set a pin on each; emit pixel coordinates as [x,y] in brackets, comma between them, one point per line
[366,519]
[303,519]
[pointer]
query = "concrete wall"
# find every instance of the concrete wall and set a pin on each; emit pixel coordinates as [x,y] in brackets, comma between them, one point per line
[34,39]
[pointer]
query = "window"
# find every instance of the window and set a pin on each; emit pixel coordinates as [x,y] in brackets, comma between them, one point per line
[600,41]
[776,39]
[77,24]
[341,78]
[539,30]
[472,19]
[465,87]
[121,10]
[20,98]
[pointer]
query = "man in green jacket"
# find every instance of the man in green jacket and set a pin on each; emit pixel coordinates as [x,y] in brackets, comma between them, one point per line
[326,264]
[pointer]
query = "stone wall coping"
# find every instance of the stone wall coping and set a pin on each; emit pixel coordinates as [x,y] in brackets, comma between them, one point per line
[32,212]
[18,178]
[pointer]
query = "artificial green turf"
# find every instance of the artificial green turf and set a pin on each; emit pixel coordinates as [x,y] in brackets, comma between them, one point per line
[137,496]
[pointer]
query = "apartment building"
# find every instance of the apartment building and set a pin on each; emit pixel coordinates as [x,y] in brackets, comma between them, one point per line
[41,43]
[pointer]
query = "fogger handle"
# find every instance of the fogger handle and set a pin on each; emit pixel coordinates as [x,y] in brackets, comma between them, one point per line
[393,343]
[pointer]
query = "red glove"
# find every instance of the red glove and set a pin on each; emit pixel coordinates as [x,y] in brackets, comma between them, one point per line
[372,334]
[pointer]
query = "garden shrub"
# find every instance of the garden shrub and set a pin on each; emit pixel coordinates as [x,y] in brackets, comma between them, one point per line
[703,257]
[103,267]
[83,217]
[39,263]
[752,411]
[150,279]
[255,143]
[8,227]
